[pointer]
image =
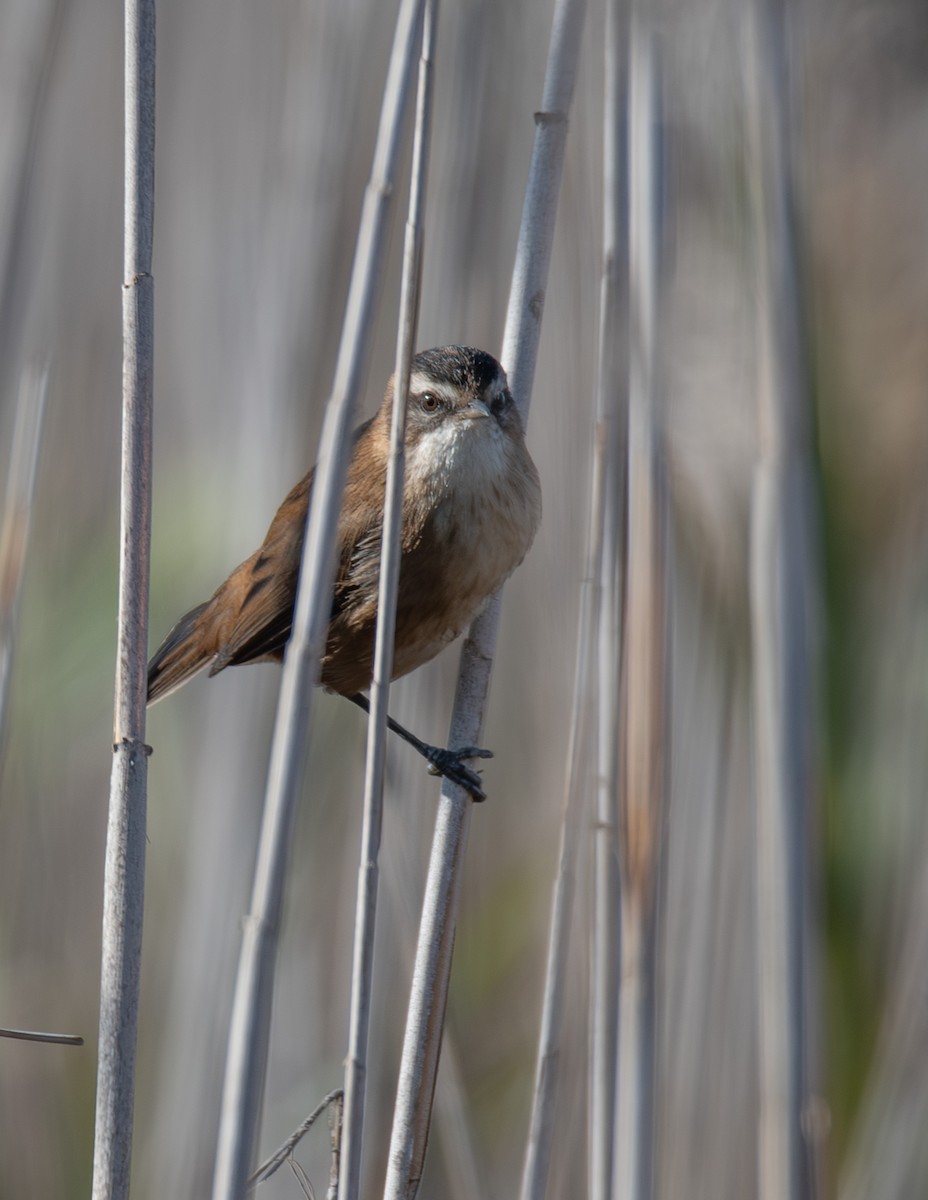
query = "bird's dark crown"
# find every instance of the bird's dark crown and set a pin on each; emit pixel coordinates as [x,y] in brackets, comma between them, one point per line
[463,367]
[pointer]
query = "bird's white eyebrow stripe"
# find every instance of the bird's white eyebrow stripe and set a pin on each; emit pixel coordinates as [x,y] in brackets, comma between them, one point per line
[420,381]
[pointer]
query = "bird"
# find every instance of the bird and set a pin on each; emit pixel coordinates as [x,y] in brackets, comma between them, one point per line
[471,508]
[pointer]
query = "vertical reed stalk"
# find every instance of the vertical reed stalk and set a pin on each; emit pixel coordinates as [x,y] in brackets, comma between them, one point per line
[432,969]
[124,881]
[645,740]
[780,590]
[542,1122]
[368,871]
[612,432]
[597,671]
[250,1023]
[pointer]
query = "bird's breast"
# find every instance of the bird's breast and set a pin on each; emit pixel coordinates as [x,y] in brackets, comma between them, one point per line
[482,511]
[471,505]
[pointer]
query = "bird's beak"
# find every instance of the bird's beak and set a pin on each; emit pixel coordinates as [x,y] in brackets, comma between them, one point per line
[477,408]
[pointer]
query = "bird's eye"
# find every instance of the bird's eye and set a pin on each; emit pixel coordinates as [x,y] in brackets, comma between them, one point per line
[429,402]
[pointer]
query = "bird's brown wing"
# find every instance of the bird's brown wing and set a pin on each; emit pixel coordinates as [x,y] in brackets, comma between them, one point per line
[259,595]
[249,617]
[262,591]
[181,655]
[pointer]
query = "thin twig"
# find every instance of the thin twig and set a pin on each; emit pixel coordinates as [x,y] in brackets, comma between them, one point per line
[248,1033]
[276,1160]
[124,881]
[30,1035]
[302,1179]
[422,1041]
[368,871]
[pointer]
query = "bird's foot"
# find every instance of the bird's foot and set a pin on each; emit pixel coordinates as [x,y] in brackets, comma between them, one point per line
[450,764]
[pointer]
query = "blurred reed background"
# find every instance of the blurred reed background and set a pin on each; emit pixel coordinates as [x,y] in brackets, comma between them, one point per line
[266,121]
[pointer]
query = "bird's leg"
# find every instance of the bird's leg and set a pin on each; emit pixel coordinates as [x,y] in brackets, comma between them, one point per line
[441,762]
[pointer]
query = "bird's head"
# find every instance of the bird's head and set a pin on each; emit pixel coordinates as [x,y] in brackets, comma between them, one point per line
[453,391]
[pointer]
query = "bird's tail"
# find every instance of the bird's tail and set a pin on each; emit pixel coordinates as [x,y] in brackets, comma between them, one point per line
[180,655]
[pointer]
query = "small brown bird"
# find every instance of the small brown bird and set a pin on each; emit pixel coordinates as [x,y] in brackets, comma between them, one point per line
[471,506]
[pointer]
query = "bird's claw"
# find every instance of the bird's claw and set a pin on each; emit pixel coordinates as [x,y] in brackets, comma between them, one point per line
[449,763]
